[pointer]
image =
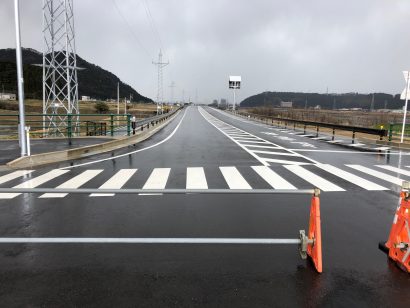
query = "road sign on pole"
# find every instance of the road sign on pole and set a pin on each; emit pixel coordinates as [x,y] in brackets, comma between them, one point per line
[234,83]
[405,95]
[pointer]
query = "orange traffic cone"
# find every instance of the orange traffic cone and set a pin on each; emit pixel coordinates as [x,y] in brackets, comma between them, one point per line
[314,249]
[398,244]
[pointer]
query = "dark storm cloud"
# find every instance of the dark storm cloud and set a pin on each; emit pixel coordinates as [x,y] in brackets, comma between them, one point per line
[275,45]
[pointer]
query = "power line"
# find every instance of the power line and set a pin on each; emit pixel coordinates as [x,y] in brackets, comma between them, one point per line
[130,29]
[152,23]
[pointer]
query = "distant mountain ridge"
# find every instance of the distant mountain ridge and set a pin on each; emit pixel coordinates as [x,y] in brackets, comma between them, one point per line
[93,81]
[325,101]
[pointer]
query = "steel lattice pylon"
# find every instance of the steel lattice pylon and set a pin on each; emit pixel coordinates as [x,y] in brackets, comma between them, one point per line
[60,86]
[160,90]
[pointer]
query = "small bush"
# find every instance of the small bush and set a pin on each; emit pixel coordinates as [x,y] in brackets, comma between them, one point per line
[101,107]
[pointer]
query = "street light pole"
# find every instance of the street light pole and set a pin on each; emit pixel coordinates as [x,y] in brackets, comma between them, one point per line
[20,82]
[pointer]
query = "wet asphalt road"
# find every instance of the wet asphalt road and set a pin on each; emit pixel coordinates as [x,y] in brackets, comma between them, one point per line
[355,272]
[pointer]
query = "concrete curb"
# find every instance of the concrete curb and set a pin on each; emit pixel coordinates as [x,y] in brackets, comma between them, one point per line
[58,156]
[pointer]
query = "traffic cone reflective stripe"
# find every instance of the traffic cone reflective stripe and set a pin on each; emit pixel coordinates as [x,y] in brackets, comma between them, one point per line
[314,249]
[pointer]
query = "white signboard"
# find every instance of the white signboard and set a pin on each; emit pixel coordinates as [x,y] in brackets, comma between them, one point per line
[235,82]
[406,90]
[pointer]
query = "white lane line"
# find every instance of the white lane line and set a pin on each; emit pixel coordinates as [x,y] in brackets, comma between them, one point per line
[244,139]
[33,183]
[117,181]
[319,138]
[14,175]
[254,141]
[273,179]
[355,145]
[394,169]
[272,153]
[234,179]
[262,146]
[314,179]
[284,161]
[132,152]
[195,178]
[335,141]
[308,135]
[368,185]
[239,135]
[382,148]
[158,179]
[377,174]
[75,182]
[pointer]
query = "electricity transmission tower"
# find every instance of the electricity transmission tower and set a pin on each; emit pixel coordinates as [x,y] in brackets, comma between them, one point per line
[160,90]
[60,85]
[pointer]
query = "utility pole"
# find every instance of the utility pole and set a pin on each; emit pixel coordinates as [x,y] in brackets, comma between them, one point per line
[125,105]
[20,82]
[160,92]
[172,86]
[334,103]
[118,98]
[372,104]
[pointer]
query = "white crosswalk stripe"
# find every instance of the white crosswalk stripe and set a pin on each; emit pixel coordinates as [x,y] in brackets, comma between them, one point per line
[117,181]
[377,174]
[158,179]
[394,169]
[234,179]
[14,175]
[314,179]
[351,177]
[35,182]
[273,179]
[195,178]
[74,182]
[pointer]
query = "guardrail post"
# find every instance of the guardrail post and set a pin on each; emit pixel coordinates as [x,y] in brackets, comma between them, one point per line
[390,131]
[317,131]
[353,136]
[304,129]
[112,124]
[333,135]
[69,130]
[128,125]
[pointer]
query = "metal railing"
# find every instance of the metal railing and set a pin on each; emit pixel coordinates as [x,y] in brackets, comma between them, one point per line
[305,125]
[86,125]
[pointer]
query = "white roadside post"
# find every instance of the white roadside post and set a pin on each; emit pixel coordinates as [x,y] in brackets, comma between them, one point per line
[405,95]
[27,128]
[20,82]
[234,83]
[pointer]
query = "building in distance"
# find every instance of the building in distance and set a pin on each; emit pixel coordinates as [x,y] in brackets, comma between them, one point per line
[286,104]
[8,96]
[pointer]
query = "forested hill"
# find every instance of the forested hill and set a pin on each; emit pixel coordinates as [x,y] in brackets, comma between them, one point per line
[325,101]
[93,81]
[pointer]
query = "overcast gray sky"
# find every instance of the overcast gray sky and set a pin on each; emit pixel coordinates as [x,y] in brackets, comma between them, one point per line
[347,45]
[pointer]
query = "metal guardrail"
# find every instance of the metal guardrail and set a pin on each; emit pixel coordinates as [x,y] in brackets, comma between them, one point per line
[288,123]
[88,125]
